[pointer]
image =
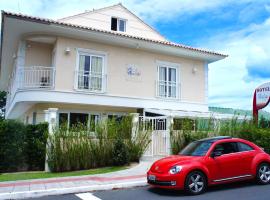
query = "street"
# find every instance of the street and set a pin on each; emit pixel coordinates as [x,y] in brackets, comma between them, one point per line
[246,191]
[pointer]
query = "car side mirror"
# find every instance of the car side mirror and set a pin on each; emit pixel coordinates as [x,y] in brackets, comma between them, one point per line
[216,154]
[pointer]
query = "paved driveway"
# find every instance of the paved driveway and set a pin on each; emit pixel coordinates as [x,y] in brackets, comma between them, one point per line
[239,191]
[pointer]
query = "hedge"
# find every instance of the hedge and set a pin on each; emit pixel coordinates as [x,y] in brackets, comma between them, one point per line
[22,147]
[245,129]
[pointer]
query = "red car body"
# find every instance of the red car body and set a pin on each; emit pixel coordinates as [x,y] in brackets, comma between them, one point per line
[225,168]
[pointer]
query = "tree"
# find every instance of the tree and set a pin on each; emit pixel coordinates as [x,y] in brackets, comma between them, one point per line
[3,99]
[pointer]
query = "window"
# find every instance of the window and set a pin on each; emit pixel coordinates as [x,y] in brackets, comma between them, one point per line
[94,119]
[90,72]
[78,118]
[167,82]
[198,148]
[118,24]
[244,147]
[73,119]
[34,118]
[117,118]
[63,119]
[226,148]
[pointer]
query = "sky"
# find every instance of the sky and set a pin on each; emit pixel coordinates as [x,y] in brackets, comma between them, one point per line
[238,28]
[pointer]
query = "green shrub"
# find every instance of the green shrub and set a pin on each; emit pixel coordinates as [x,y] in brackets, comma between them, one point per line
[120,152]
[138,142]
[245,129]
[22,147]
[35,145]
[112,143]
[12,142]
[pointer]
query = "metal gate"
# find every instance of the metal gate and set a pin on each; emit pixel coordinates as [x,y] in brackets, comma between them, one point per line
[159,144]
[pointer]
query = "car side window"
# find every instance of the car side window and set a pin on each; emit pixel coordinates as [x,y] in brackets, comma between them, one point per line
[244,147]
[227,147]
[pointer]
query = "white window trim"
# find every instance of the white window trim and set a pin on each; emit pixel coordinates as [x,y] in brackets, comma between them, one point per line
[91,52]
[118,24]
[178,86]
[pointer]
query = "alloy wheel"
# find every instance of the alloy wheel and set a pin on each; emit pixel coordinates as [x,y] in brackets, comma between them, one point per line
[196,183]
[264,173]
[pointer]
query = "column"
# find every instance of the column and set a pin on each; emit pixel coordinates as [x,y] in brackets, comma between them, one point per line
[135,124]
[50,118]
[169,125]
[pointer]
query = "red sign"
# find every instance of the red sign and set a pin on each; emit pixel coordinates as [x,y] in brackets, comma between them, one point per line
[261,98]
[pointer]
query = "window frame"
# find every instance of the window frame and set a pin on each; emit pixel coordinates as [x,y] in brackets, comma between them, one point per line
[81,112]
[168,65]
[91,53]
[118,24]
[227,153]
[239,148]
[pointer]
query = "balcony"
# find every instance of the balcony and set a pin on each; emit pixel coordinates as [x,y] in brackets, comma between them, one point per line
[34,77]
[168,89]
[90,82]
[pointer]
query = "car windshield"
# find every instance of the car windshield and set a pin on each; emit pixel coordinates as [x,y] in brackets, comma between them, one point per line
[198,148]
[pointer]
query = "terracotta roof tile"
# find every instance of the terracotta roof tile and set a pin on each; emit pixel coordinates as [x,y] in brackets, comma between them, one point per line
[168,43]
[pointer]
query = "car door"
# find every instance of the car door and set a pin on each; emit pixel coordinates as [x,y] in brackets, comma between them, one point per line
[247,154]
[228,164]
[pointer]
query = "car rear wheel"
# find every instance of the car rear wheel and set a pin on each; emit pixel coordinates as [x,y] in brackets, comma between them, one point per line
[195,183]
[263,174]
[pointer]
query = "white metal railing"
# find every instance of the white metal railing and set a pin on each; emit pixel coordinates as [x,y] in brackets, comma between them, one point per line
[168,89]
[33,77]
[153,123]
[90,81]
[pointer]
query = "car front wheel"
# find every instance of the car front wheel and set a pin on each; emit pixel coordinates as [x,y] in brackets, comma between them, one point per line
[263,174]
[195,183]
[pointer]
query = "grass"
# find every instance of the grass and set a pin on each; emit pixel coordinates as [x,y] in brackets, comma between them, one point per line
[39,175]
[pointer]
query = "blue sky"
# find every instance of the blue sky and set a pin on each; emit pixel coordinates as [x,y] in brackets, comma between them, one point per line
[239,28]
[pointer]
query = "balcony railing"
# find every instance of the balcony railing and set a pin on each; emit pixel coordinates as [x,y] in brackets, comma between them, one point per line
[34,77]
[90,81]
[168,89]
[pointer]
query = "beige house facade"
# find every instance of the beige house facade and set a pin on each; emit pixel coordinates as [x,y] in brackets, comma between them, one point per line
[98,64]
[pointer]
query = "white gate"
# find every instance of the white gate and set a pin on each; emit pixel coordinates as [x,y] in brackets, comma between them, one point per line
[160,140]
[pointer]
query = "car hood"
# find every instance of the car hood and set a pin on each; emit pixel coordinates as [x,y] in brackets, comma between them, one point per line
[164,164]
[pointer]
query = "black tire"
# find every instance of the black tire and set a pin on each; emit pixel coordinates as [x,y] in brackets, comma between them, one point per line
[191,183]
[263,174]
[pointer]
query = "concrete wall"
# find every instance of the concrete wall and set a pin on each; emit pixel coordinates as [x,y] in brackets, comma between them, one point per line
[119,83]
[38,54]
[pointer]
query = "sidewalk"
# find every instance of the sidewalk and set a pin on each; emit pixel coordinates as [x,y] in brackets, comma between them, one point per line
[135,176]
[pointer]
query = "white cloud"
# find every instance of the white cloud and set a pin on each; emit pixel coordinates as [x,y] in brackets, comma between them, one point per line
[150,10]
[232,81]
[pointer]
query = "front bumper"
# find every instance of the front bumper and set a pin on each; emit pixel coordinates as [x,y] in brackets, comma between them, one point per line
[170,181]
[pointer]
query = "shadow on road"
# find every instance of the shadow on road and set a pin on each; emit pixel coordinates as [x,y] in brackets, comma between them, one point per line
[212,189]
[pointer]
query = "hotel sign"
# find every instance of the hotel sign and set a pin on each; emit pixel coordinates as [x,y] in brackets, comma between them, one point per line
[132,70]
[133,73]
[261,98]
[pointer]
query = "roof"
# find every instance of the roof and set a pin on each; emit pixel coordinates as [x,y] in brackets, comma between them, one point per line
[118,34]
[214,139]
[119,4]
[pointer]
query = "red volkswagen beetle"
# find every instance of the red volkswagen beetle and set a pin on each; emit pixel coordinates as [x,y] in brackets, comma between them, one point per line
[211,161]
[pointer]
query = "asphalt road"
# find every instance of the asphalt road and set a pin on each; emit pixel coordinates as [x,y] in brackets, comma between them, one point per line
[238,191]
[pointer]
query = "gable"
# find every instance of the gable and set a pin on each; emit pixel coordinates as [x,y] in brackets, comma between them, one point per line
[101,19]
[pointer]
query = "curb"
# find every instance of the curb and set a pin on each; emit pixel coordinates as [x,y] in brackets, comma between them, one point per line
[61,191]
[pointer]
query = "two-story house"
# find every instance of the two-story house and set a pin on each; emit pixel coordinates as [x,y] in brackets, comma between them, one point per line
[97,64]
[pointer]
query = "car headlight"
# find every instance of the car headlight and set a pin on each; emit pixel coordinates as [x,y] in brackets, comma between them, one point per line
[175,169]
